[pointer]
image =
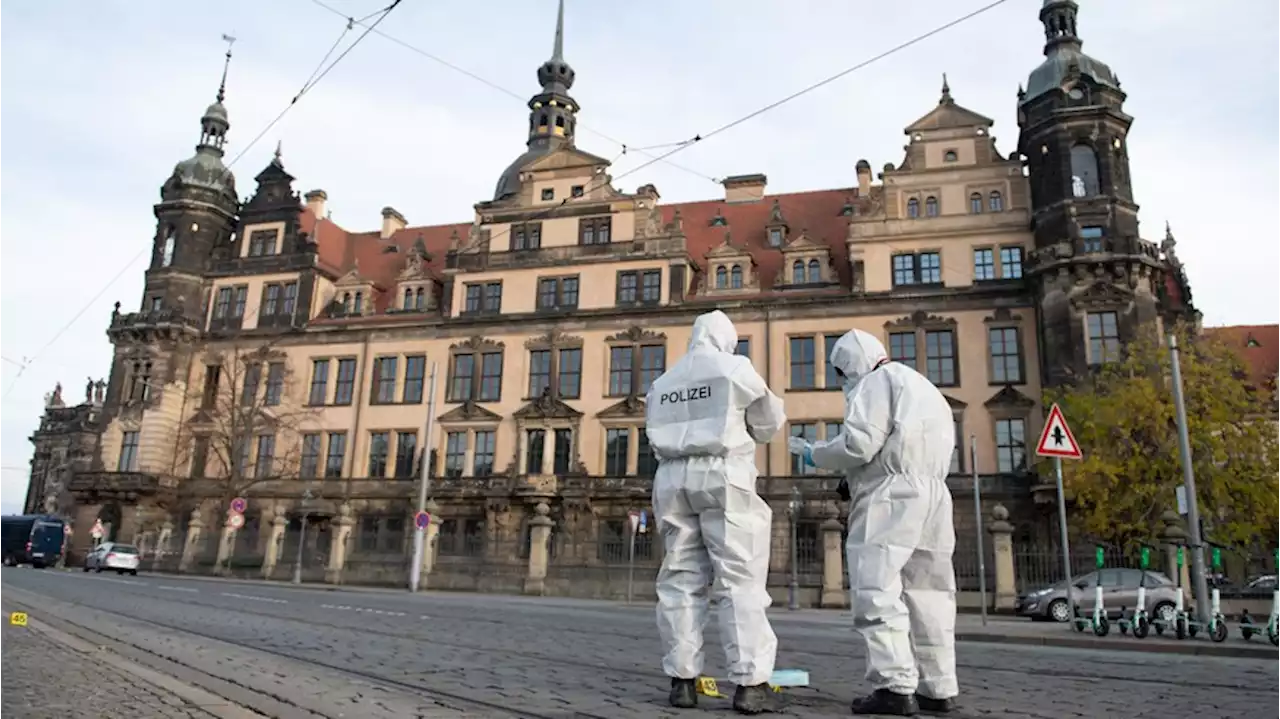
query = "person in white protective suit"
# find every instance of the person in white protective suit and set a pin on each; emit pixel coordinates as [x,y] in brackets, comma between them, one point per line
[704,417]
[895,449]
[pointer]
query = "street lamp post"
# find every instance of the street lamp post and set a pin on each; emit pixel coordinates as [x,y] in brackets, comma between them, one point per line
[793,590]
[302,537]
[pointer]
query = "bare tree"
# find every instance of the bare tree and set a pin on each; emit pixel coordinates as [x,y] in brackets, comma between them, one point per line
[246,422]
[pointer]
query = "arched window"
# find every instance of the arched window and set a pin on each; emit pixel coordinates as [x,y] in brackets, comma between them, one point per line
[542,120]
[950,156]
[996,203]
[931,207]
[166,253]
[346,302]
[797,273]
[975,203]
[408,299]
[421,300]
[1084,171]
[815,271]
[358,306]
[913,208]
[735,277]
[722,278]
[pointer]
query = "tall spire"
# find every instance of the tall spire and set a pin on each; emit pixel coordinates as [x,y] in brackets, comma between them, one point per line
[946,92]
[557,53]
[552,120]
[215,123]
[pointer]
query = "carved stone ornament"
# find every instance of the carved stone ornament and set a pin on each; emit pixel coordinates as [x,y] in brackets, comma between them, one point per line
[553,339]
[1002,314]
[636,334]
[631,407]
[1010,398]
[469,411]
[477,344]
[1103,294]
[919,319]
[547,407]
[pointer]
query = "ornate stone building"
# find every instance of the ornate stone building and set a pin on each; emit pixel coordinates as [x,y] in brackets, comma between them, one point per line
[278,356]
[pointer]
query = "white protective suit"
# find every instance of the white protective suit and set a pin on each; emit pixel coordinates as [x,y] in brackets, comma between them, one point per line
[895,448]
[704,417]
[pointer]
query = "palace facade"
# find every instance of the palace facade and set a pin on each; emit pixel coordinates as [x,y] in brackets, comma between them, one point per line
[278,356]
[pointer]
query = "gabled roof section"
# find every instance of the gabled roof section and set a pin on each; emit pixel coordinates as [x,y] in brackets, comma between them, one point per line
[948,115]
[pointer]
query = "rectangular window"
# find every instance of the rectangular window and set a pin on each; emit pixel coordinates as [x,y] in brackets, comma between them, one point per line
[1010,445]
[808,430]
[653,362]
[1011,263]
[940,357]
[646,461]
[490,376]
[539,372]
[621,362]
[651,287]
[743,349]
[128,453]
[628,288]
[922,268]
[337,455]
[902,348]
[832,379]
[617,447]
[930,264]
[1006,355]
[558,293]
[415,368]
[493,297]
[252,380]
[904,270]
[1092,238]
[462,378]
[240,451]
[483,298]
[984,265]
[1104,337]
[486,446]
[319,382]
[455,453]
[344,388]
[384,380]
[570,373]
[379,448]
[803,363]
[406,452]
[535,448]
[957,457]
[262,243]
[264,464]
[290,302]
[563,451]
[275,384]
[222,308]
[237,305]
[270,300]
[199,457]
[527,236]
[595,230]
[309,467]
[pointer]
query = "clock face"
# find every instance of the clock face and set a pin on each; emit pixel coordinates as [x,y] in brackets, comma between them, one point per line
[1075,94]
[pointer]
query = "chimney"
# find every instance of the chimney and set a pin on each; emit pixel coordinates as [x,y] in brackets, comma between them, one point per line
[316,201]
[864,178]
[392,222]
[744,188]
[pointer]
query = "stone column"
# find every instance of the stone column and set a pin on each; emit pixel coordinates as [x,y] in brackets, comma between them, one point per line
[127,532]
[195,529]
[1006,589]
[548,450]
[226,543]
[1174,537]
[539,541]
[833,594]
[429,542]
[275,539]
[162,541]
[81,539]
[338,545]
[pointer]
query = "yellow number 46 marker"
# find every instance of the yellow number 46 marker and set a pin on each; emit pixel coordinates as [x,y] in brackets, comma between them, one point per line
[18,619]
[707,687]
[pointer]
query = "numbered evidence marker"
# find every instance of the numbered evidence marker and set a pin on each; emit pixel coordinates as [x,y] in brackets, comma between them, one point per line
[706,686]
[18,619]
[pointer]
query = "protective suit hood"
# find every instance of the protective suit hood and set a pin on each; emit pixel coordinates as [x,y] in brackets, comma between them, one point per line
[856,354]
[716,330]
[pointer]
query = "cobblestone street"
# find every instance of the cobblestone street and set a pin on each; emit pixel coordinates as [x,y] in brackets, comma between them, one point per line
[449,655]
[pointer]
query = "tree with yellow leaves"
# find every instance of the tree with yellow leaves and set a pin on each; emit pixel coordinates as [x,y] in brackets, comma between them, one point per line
[1124,418]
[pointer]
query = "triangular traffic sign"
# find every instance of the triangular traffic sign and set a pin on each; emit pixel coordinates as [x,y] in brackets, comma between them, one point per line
[1056,439]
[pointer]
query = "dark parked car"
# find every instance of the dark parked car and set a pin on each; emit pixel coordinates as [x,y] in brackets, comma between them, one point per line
[1119,589]
[34,539]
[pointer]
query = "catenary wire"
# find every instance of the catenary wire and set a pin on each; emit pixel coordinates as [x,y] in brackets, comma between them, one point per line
[315,78]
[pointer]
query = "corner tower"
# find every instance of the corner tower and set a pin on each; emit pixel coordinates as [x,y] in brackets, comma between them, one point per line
[1096,280]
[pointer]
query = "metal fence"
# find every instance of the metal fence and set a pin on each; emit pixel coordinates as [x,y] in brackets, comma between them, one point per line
[1035,567]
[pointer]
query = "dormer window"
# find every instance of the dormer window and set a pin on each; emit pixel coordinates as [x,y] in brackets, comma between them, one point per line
[931,207]
[996,201]
[735,277]
[722,278]
[950,156]
[548,194]
[775,237]
[975,203]
[913,208]
[815,272]
[576,191]
[262,243]
[797,273]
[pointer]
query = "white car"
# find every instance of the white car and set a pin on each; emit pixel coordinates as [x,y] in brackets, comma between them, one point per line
[112,556]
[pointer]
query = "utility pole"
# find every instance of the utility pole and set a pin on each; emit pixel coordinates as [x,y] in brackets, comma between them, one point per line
[424,486]
[302,536]
[793,589]
[1198,581]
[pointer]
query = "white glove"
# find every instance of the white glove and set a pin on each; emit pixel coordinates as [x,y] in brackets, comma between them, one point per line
[799,446]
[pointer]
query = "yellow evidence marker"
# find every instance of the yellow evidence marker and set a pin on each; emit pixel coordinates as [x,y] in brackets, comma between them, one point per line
[781,679]
[706,686]
[18,619]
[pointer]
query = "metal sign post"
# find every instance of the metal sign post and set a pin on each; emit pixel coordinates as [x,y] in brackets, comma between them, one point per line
[977,509]
[631,552]
[1057,441]
[1198,582]
[424,486]
[302,536]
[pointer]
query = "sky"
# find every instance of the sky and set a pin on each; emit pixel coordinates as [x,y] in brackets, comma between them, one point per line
[98,101]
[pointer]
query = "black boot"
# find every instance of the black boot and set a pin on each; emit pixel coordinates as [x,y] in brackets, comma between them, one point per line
[684,694]
[929,705]
[752,700]
[883,701]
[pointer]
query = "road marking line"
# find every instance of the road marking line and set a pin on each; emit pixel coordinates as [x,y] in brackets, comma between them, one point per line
[118,581]
[176,589]
[252,598]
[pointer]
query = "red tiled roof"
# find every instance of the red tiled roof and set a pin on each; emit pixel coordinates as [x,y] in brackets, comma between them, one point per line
[818,213]
[1258,347]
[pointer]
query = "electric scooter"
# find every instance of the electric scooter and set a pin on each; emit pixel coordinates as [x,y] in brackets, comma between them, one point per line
[1097,621]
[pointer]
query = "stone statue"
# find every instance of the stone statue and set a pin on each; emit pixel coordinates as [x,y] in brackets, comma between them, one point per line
[1077,186]
[56,400]
[88,391]
[100,392]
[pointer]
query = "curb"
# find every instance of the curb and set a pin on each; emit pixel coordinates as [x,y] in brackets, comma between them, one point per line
[1192,647]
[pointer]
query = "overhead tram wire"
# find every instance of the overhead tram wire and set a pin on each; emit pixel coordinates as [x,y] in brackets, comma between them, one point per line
[314,79]
[681,146]
[522,98]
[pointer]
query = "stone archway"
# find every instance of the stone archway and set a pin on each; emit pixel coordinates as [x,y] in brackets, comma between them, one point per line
[110,515]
